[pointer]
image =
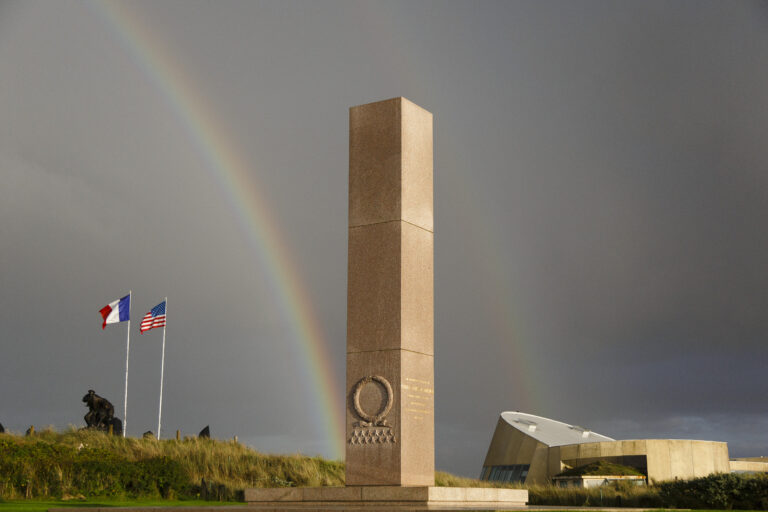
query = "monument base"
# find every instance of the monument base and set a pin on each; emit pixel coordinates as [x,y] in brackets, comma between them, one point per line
[373,498]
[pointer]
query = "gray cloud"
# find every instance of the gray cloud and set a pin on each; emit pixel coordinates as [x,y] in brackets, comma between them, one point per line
[601,196]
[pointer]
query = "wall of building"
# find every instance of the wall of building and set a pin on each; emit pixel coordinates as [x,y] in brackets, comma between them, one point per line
[664,459]
[661,459]
[752,459]
[627,453]
[509,446]
[749,466]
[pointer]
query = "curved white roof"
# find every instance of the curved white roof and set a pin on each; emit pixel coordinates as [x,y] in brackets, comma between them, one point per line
[551,432]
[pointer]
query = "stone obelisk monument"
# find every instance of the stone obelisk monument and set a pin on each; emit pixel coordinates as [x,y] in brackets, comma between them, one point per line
[390,437]
[390,320]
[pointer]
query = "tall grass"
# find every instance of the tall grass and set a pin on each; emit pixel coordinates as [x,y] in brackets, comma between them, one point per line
[443,479]
[52,464]
[616,494]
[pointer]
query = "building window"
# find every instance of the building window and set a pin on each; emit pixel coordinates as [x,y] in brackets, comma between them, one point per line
[515,473]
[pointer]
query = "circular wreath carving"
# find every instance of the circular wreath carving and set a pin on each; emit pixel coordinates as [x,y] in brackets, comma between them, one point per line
[373,419]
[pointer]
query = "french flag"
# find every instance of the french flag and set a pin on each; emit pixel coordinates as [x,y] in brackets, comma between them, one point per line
[117,311]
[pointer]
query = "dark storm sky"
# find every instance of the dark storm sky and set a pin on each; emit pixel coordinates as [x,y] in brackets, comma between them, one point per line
[601,212]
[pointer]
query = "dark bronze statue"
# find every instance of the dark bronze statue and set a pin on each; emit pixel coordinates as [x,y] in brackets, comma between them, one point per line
[101,413]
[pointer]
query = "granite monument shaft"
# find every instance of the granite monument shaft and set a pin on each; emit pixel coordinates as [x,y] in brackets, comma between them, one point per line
[390,319]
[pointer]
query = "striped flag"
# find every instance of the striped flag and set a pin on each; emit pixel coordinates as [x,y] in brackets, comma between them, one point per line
[117,311]
[155,318]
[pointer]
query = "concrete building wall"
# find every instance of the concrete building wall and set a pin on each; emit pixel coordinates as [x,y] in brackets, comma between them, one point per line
[661,459]
[554,461]
[509,446]
[665,459]
[722,465]
[658,459]
[527,449]
[627,453]
[505,445]
[538,471]
[752,459]
[680,464]
[704,459]
[749,466]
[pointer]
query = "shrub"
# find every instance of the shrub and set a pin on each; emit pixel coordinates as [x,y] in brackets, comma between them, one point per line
[718,491]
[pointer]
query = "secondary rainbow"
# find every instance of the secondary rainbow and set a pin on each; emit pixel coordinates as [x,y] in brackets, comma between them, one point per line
[230,170]
[514,340]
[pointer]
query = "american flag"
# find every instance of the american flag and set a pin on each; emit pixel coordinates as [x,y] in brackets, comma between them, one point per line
[155,318]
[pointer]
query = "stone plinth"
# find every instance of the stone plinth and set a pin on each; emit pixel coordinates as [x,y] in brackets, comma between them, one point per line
[390,324]
[372,498]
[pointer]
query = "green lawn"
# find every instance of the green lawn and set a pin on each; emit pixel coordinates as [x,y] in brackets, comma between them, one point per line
[43,506]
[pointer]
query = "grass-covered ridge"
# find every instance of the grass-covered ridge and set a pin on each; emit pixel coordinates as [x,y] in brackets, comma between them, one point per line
[88,463]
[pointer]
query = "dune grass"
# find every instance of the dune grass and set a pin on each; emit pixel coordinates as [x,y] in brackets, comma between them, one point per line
[53,464]
[88,467]
[615,494]
[443,479]
[217,461]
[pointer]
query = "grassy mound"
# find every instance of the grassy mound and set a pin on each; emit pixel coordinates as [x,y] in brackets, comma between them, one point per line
[77,464]
[51,464]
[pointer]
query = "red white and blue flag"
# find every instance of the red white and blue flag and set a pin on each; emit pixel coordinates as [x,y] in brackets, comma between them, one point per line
[155,318]
[117,311]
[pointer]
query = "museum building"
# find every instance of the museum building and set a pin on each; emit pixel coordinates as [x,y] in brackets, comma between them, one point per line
[533,450]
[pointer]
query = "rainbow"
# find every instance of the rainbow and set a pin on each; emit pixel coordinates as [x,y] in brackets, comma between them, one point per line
[229,169]
[507,316]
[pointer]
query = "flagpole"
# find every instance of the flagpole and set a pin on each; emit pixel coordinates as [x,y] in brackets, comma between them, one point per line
[162,367]
[127,353]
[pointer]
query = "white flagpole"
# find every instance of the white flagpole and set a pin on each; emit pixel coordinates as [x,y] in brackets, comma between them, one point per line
[162,366]
[127,352]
